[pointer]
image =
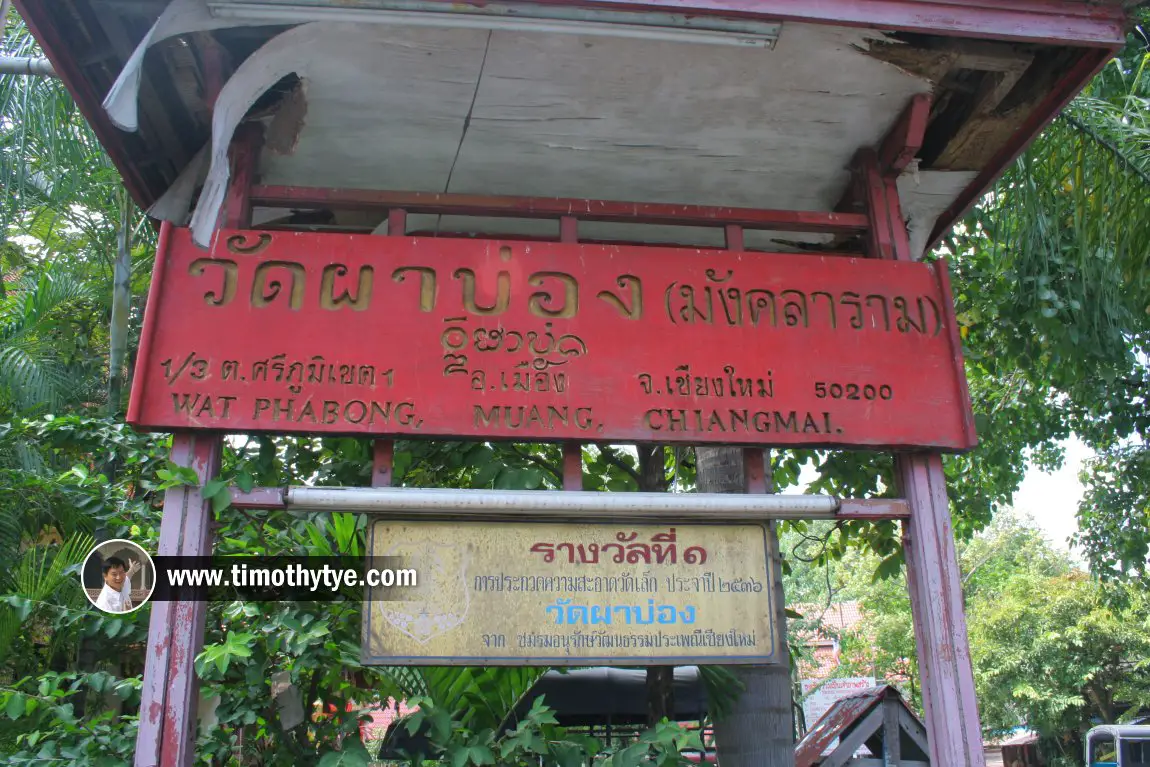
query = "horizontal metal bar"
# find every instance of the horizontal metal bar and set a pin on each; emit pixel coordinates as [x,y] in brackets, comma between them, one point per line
[554,207]
[543,504]
[535,504]
[23,65]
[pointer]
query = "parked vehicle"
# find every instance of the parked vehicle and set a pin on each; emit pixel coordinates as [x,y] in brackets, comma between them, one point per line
[1113,745]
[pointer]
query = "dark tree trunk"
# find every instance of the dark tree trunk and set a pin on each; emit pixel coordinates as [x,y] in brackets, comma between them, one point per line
[660,679]
[758,732]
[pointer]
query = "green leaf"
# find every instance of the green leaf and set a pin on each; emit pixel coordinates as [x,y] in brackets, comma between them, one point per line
[15,706]
[352,754]
[214,487]
[221,501]
[481,755]
[245,481]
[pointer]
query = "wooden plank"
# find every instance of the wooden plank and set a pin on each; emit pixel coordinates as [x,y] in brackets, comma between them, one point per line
[259,498]
[891,738]
[765,350]
[913,728]
[557,207]
[871,183]
[904,141]
[873,508]
[855,739]
[508,235]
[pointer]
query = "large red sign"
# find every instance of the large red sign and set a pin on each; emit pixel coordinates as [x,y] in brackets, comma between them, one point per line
[357,334]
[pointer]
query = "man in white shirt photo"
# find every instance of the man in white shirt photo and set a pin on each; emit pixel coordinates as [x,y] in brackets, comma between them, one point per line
[116,596]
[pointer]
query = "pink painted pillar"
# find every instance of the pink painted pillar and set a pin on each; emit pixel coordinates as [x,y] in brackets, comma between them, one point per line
[933,578]
[932,574]
[170,694]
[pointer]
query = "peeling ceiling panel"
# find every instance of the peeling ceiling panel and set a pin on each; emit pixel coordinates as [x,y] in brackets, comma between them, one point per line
[383,111]
[573,116]
[924,196]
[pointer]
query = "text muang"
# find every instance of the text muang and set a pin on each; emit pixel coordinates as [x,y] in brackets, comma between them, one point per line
[720,299]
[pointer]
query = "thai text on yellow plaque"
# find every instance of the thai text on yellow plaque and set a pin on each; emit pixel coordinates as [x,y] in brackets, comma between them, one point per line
[547,593]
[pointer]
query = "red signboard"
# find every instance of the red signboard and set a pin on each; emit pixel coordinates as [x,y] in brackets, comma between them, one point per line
[359,334]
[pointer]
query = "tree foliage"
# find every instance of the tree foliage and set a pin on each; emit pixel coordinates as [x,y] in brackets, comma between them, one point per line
[1052,298]
[1053,649]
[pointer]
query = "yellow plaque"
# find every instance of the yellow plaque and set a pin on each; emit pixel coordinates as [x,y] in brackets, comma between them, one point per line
[558,594]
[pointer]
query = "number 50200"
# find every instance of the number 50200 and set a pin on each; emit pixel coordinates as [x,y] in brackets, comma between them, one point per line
[824,390]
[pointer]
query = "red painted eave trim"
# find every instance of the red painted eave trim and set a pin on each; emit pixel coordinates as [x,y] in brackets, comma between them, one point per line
[36,15]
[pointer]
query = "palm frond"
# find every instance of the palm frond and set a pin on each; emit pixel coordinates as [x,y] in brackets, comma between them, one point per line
[484,697]
[1068,222]
[39,574]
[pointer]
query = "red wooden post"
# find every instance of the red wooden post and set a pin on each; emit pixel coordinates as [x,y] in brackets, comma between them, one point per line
[572,466]
[383,452]
[169,698]
[935,585]
[170,693]
[932,573]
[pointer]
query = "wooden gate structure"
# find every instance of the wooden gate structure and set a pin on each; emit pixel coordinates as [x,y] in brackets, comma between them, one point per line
[746,186]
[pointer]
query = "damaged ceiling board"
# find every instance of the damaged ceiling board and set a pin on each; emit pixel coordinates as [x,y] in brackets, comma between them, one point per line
[588,117]
[536,113]
[924,196]
[384,110]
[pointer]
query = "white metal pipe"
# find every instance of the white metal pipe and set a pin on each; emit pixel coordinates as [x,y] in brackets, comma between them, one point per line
[23,65]
[543,504]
